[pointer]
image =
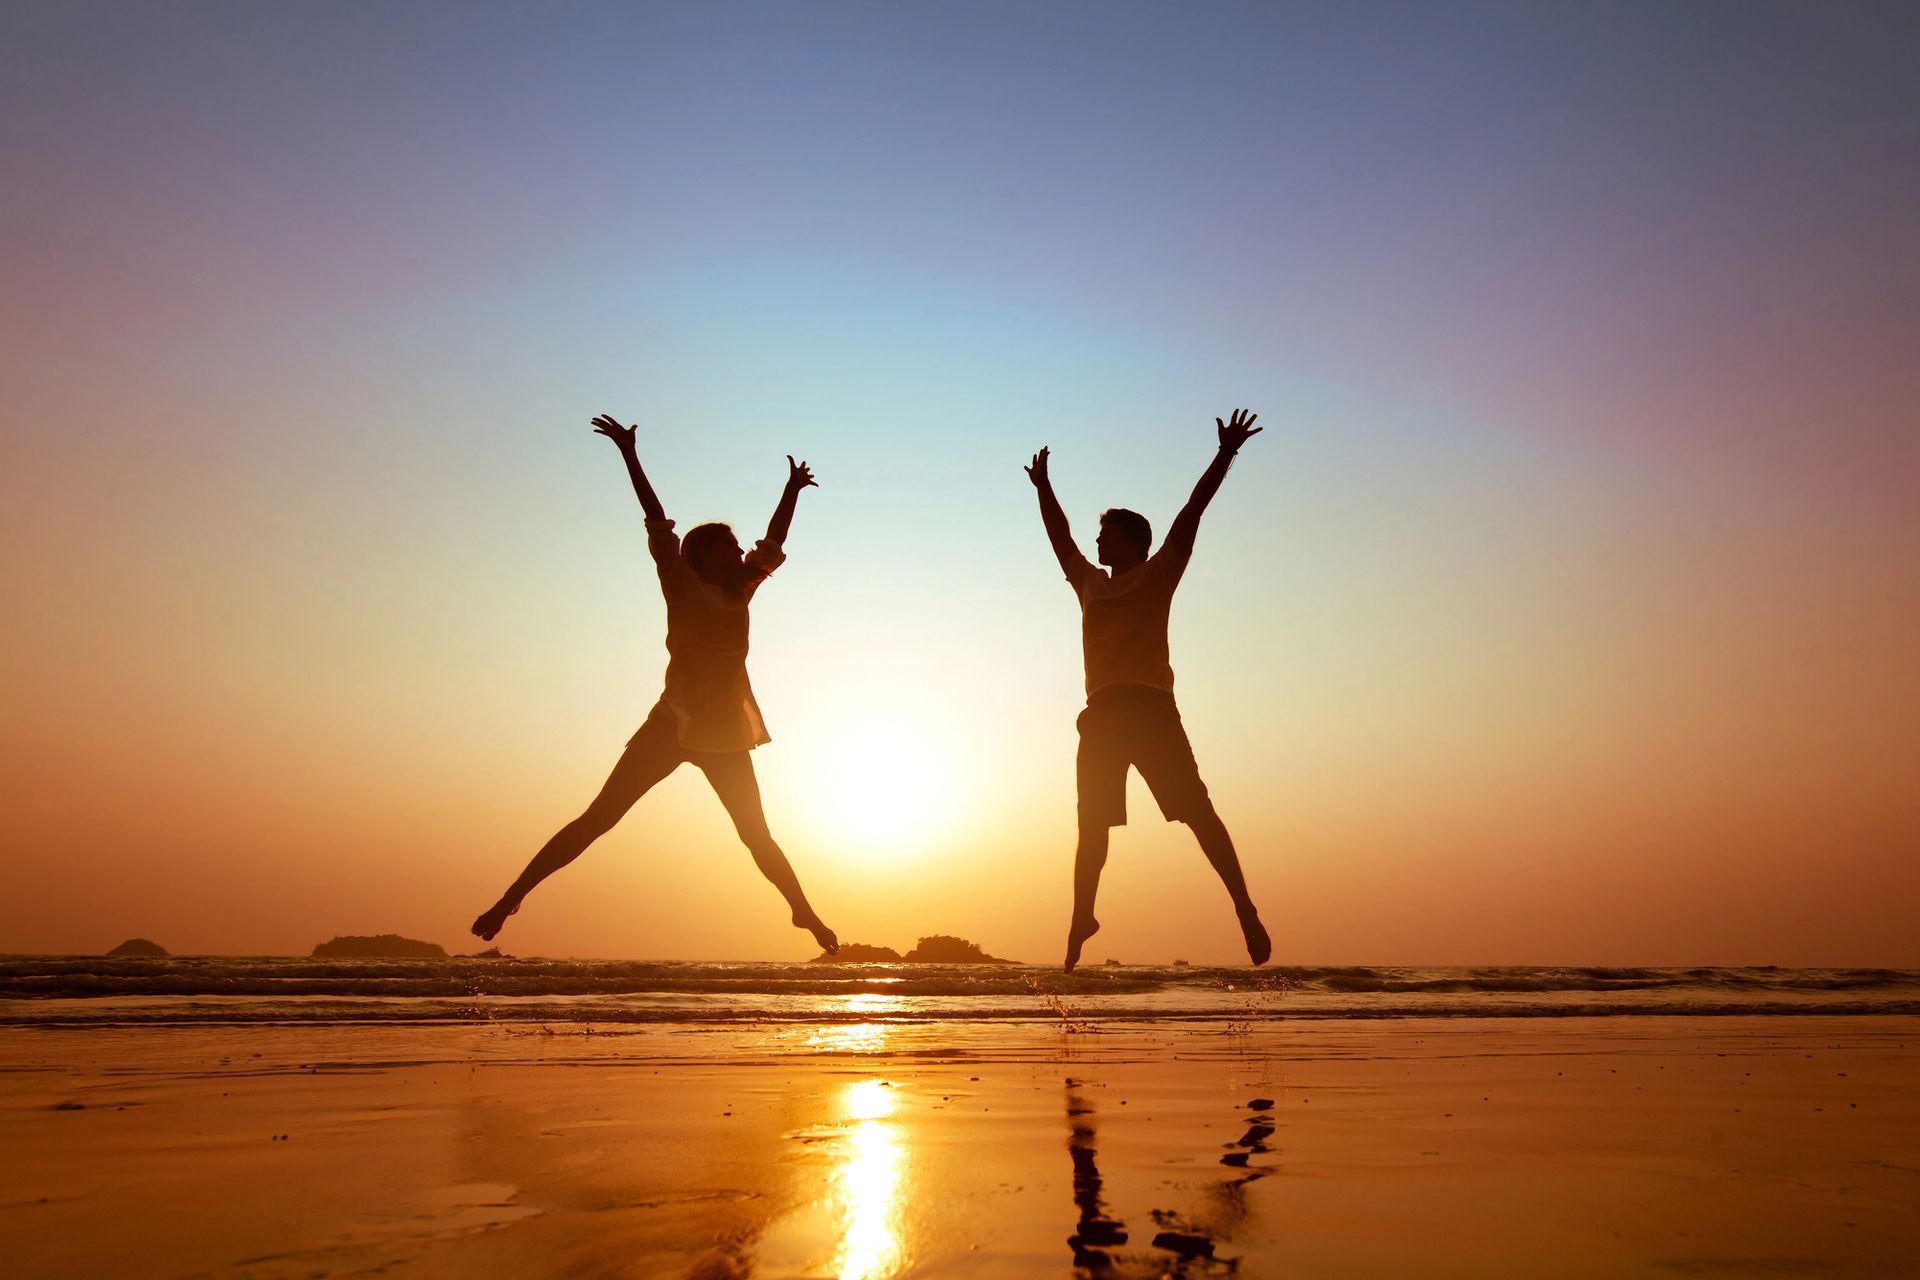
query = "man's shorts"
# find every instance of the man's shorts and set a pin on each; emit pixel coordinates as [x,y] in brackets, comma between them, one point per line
[1138,726]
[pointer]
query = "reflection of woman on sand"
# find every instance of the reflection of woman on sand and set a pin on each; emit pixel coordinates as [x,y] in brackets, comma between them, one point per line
[706,715]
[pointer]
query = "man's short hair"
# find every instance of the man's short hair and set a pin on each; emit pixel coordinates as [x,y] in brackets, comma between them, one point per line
[701,539]
[1132,526]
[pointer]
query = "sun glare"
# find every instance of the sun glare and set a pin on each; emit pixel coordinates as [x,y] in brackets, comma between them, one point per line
[890,780]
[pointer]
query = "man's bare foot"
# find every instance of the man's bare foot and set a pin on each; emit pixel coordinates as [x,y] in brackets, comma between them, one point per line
[493,918]
[1259,945]
[829,942]
[1077,934]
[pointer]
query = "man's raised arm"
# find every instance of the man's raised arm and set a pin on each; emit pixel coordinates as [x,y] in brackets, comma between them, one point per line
[1059,533]
[1233,434]
[799,476]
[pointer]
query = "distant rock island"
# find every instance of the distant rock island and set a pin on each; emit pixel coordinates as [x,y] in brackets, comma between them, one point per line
[350,945]
[938,948]
[944,948]
[139,947]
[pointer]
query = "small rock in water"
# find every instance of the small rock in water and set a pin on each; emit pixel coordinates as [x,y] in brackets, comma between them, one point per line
[1260,1104]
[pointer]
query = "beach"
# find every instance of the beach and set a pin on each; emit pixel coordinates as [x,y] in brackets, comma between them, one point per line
[1575,1146]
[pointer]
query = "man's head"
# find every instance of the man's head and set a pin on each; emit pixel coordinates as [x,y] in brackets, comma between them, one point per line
[1125,538]
[713,553]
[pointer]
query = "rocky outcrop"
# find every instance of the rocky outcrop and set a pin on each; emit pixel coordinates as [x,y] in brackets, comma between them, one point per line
[389,945]
[936,948]
[139,947]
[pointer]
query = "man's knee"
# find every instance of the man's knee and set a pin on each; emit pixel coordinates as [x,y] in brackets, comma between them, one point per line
[1200,814]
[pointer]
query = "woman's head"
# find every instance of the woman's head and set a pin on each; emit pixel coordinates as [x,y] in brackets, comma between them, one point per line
[713,553]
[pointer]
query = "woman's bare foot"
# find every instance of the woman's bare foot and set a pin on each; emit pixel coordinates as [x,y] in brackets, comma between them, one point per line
[1077,934]
[493,918]
[1259,945]
[829,942]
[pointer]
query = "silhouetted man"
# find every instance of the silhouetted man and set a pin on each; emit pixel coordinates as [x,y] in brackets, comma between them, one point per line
[1131,719]
[706,716]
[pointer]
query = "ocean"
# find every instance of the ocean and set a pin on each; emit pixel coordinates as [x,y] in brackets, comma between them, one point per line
[103,991]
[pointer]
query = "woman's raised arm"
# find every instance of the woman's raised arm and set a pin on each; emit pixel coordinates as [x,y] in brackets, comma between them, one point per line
[642,489]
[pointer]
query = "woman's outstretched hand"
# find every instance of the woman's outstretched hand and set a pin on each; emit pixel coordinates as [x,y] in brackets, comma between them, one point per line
[612,430]
[800,475]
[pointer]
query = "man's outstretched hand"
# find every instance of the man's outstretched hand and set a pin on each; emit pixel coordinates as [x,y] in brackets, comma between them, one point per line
[1237,430]
[800,475]
[612,430]
[1037,470]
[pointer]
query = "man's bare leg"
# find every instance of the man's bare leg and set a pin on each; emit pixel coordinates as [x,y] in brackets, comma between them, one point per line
[639,767]
[1089,859]
[732,776]
[1218,846]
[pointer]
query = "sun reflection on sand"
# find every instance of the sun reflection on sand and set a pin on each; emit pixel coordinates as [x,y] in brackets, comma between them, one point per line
[869,1184]
[857,1227]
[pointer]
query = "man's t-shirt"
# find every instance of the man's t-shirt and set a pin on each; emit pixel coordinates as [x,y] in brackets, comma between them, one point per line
[1123,620]
[707,688]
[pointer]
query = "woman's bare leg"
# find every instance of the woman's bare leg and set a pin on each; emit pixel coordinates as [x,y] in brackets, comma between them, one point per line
[731,773]
[647,759]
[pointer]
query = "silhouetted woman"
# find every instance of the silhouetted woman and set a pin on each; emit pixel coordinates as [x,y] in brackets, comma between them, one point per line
[706,715]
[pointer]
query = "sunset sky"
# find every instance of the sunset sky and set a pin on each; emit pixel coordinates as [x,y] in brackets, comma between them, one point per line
[1565,612]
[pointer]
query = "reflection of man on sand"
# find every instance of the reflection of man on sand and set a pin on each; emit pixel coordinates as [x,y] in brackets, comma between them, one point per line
[707,715]
[1094,1228]
[1191,1237]
[1131,719]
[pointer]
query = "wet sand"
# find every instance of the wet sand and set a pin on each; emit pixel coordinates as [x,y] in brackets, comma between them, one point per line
[1557,1147]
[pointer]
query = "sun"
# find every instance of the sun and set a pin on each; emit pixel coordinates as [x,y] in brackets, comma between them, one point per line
[887,781]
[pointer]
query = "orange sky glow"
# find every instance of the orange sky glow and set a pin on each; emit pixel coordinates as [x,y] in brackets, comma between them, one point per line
[1565,612]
